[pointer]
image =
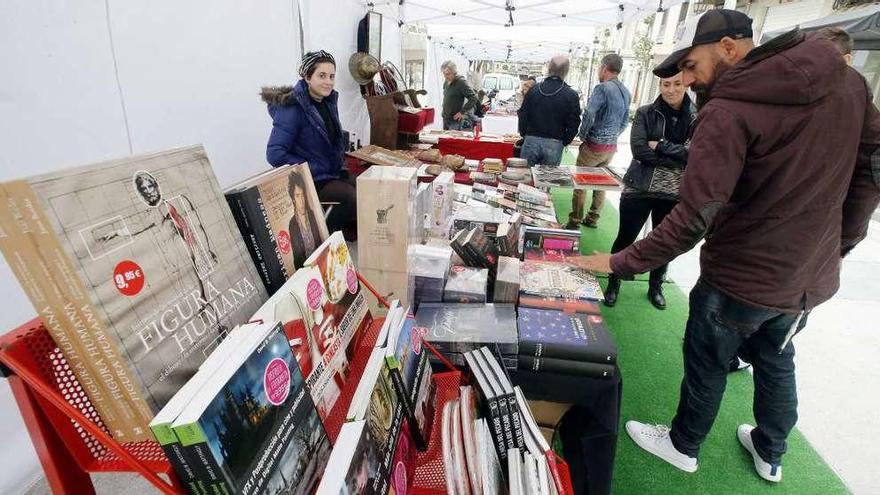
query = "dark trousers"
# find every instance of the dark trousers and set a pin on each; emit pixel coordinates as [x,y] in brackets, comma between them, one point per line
[343,216]
[634,213]
[717,327]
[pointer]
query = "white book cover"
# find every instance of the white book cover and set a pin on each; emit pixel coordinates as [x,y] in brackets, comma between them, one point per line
[468,410]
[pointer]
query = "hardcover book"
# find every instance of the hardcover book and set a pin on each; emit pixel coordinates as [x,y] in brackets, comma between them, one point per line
[280,218]
[548,279]
[545,333]
[465,327]
[466,285]
[324,313]
[146,273]
[253,424]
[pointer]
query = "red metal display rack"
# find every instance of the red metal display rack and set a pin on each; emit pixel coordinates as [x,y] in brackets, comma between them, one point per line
[71,441]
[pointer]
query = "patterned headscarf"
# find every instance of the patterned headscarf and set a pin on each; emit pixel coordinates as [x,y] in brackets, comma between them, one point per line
[313,58]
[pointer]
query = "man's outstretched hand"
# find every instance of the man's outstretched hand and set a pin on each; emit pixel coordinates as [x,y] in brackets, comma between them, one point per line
[597,262]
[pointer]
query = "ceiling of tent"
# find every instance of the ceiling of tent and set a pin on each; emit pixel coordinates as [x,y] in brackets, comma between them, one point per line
[519,43]
[520,30]
[555,13]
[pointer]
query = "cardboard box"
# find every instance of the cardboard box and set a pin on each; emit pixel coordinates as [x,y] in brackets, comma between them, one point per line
[391,285]
[548,414]
[386,213]
[548,434]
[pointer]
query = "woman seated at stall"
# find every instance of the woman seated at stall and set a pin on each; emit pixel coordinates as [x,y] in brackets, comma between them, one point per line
[306,128]
[659,140]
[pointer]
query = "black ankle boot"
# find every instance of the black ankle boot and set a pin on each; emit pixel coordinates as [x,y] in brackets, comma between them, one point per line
[655,295]
[611,291]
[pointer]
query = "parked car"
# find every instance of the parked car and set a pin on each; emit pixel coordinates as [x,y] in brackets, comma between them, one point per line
[506,85]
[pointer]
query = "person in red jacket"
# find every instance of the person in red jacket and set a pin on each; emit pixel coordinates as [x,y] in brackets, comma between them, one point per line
[783,175]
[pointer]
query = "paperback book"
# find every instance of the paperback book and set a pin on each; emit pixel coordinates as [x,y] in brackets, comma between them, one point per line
[324,313]
[253,424]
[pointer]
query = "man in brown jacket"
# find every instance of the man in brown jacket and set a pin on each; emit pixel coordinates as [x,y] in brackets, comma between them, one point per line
[782,177]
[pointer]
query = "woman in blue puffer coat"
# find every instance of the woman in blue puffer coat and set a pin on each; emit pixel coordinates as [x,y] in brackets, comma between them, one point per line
[306,128]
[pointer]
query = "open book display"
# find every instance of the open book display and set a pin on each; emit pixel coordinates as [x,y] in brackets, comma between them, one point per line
[546,177]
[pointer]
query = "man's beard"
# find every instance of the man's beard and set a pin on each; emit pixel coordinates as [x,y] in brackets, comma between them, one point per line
[704,91]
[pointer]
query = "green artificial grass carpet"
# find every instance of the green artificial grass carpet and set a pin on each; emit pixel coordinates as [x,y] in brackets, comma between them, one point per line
[650,363]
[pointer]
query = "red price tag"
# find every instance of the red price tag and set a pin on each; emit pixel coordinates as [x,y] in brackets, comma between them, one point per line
[128,278]
[284,242]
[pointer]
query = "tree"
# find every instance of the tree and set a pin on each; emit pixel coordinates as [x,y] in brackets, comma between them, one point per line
[643,47]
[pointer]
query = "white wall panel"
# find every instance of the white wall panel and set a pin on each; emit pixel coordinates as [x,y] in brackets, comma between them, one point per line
[188,72]
[191,73]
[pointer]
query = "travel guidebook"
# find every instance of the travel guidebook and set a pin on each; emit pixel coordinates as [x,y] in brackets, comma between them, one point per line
[253,425]
[325,316]
[280,218]
[137,270]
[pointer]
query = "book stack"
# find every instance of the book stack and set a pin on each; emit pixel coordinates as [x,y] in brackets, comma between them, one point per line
[571,343]
[532,469]
[441,204]
[325,316]
[389,418]
[138,272]
[506,281]
[541,239]
[387,225]
[280,218]
[455,329]
[498,400]
[486,217]
[466,285]
[492,165]
[428,266]
[245,422]
[470,461]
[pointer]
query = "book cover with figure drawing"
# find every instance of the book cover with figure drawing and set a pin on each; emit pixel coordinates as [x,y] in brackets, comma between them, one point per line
[280,218]
[147,270]
[325,316]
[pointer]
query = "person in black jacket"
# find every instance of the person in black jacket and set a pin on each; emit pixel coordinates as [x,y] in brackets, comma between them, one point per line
[549,116]
[659,140]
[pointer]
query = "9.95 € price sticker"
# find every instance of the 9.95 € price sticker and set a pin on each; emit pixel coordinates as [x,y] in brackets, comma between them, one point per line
[128,277]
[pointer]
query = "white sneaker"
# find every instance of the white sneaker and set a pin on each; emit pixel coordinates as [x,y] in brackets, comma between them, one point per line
[655,439]
[770,472]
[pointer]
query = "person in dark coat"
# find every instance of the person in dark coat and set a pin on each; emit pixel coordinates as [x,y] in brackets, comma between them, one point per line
[783,175]
[659,140]
[306,129]
[549,116]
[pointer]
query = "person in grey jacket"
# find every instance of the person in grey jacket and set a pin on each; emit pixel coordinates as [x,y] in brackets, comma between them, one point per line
[659,140]
[458,97]
[605,117]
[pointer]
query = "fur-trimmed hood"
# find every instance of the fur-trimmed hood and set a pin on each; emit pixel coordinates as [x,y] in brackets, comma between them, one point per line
[277,95]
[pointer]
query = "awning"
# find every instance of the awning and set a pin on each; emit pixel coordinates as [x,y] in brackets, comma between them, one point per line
[863,24]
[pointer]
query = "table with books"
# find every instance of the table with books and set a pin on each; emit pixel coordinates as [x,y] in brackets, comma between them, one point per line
[230,329]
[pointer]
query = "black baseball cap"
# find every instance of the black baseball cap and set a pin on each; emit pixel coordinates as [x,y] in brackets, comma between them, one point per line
[708,27]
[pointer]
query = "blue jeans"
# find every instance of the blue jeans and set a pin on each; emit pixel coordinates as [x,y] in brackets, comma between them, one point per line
[451,124]
[717,327]
[541,151]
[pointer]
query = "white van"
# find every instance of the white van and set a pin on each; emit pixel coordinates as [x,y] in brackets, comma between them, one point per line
[506,84]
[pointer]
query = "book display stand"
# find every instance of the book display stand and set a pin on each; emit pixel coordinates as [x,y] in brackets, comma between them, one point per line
[71,441]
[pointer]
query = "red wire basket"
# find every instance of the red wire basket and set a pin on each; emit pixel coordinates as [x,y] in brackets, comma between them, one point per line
[72,441]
